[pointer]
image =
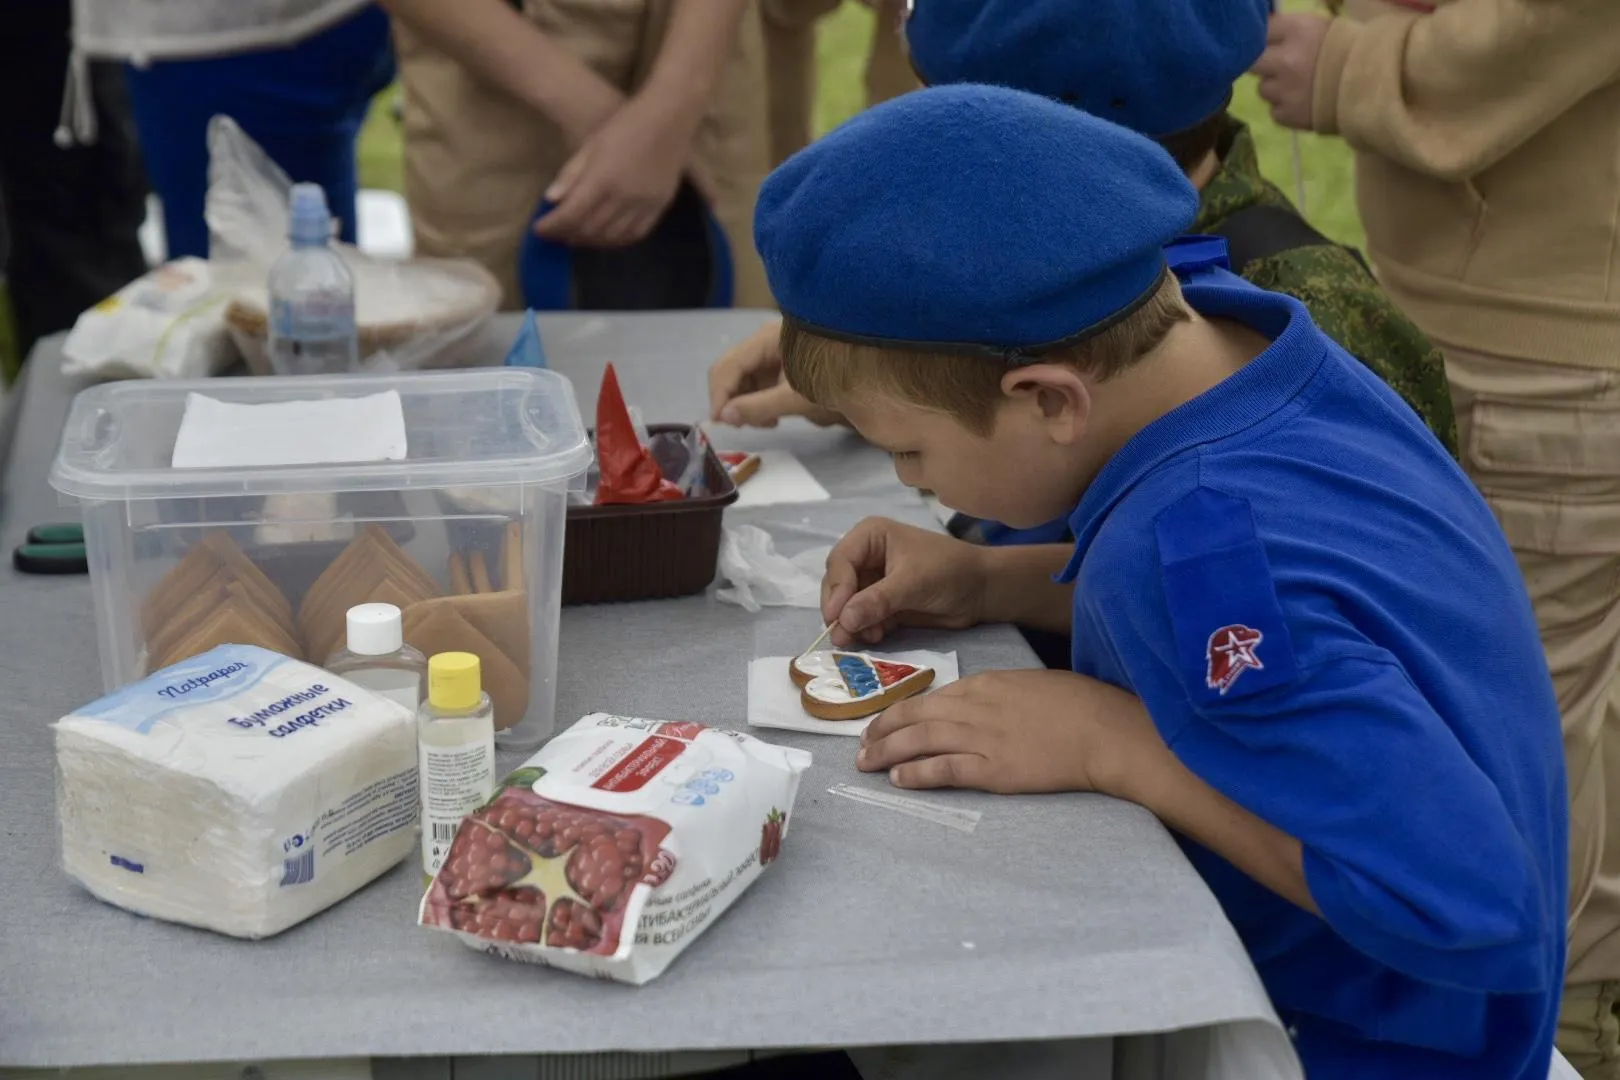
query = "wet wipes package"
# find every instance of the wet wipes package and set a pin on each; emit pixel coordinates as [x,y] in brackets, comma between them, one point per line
[616,845]
[239,791]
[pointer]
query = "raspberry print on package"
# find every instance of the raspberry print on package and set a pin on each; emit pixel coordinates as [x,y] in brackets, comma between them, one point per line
[527,869]
[616,845]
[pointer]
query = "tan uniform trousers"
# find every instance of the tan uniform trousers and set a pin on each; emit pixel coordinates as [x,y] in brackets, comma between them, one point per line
[1542,442]
[790,51]
[477,160]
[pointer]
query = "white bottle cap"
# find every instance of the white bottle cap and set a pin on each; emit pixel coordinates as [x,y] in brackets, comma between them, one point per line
[375,629]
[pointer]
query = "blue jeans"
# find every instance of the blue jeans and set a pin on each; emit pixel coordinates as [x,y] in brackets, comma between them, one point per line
[303,104]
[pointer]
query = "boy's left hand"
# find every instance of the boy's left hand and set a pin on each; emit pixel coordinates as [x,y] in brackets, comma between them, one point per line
[1016,731]
[1287,68]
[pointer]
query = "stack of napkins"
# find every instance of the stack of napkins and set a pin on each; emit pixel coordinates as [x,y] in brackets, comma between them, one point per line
[239,791]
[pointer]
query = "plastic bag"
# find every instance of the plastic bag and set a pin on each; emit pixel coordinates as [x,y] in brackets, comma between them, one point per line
[683,458]
[616,845]
[411,313]
[167,324]
[527,350]
[760,577]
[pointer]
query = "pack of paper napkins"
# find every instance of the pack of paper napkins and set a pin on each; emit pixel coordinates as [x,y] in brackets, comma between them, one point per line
[239,790]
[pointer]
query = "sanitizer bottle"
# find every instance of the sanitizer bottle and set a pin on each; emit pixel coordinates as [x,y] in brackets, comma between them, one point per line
[377,658]
[456,751]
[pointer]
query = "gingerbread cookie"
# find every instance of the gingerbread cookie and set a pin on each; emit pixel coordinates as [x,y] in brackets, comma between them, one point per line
[848,686]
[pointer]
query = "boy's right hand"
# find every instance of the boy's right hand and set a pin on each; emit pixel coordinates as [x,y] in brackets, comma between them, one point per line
[746,387]
[884,574]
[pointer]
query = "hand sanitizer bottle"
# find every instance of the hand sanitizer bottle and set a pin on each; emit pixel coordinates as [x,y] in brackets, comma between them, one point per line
[455,733]
[377,658]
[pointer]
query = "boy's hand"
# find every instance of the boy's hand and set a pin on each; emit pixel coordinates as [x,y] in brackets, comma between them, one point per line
[1017,731]
[746,387]
[617,185]
[1287,68]
[883,574]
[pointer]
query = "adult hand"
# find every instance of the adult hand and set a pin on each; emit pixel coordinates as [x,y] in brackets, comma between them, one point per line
[883,574]
[1287,69]
[746,387]
[617,185]
[1017,731]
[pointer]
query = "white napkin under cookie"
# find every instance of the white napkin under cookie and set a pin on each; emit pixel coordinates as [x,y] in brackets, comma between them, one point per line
[773,700]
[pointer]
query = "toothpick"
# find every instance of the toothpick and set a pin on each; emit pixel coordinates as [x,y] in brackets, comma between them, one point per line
[825,631]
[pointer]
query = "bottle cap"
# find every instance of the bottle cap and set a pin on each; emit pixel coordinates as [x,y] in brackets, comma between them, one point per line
[375,629]
[454,681]
[308,219]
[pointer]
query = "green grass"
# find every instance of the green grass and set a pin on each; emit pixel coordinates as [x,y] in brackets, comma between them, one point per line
[1329,198]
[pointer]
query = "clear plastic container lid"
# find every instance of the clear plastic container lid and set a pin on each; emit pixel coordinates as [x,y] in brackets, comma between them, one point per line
[473,428]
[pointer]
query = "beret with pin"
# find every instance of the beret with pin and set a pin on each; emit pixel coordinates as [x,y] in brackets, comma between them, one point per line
[1155,66]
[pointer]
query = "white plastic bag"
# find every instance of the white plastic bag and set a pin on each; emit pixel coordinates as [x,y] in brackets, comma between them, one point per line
[759,577]
[411,313]
[616,845]
[167,324]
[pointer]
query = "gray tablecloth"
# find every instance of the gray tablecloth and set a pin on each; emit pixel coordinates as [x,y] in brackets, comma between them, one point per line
[1060,917]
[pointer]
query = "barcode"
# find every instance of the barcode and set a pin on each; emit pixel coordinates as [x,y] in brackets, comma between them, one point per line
[300,870]
[443,831]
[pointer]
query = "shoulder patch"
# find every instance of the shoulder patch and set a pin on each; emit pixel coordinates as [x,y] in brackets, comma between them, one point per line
[1231,635]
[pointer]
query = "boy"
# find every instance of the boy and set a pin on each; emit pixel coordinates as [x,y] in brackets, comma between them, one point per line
[603,108]
[1163,68]
[1298,635]
[1487,139]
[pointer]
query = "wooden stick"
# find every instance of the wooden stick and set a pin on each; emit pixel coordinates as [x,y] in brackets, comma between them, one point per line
[512,574]
[824,632]
[480,572]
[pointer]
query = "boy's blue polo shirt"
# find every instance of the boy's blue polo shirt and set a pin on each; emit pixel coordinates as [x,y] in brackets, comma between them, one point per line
[1327,626]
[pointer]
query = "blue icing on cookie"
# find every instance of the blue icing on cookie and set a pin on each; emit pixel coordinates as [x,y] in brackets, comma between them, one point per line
[859,675]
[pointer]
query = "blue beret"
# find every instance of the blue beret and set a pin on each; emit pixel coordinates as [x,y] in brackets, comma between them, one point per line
[970,219]
[1154,66]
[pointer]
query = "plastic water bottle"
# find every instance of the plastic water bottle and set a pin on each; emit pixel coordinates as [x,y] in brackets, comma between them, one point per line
[312,328]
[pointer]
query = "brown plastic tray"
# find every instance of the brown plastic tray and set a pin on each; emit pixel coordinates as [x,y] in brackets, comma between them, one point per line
[650,551]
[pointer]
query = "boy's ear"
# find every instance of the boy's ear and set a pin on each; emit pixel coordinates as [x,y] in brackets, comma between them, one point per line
[1057,395]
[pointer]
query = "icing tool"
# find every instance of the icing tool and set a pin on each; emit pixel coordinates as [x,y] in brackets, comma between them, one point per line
[824,632]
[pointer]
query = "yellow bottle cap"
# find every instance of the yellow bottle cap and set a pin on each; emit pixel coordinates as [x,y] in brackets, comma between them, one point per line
[454,683]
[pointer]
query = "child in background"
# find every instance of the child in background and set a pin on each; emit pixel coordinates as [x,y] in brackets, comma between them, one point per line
[72,209]
[1163,68]
[1487,140]
[790,64]
[1299,638]
[602,108]
[297,75]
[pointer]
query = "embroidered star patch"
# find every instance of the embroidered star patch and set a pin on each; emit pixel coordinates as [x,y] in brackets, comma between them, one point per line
[1232,651]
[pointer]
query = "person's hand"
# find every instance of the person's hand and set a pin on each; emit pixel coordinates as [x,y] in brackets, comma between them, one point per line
[1287,69]
[617,185]
[747,389]
[883,574]
[1017,731]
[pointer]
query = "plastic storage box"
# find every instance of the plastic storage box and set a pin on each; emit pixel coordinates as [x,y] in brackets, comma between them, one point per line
[284,516]
[648,551]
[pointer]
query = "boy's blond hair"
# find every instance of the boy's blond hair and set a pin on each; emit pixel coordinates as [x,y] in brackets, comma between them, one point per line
[964,387]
